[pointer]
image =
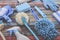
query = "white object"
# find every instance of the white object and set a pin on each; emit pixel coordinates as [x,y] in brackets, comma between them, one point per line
[22,1]
[57,16]
[58,13]
[18,35]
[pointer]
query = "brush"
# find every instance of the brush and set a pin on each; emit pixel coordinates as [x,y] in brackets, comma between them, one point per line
[23,7]
[1,27]
[5,12]
[18,17]
[42,26]
[24,21]
[43,22]
[45,27]
[18,35]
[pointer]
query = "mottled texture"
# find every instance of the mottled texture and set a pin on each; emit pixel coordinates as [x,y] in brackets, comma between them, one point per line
[46,29]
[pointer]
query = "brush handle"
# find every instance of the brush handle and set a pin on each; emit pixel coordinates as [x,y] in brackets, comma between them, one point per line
[7,18]
[57,16]
[2,35]
[40,12]
[58,13]
[25,23]
[31,31]
[35,15]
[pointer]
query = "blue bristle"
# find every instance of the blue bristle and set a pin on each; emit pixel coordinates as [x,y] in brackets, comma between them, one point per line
[23,7]
[46,29]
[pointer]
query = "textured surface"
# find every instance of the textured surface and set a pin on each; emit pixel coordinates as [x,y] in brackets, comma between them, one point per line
[25,31]
[49,15]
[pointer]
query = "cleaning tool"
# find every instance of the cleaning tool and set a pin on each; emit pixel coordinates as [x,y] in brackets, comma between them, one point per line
[18,35]
[23,7]
[19,16]
[50,4]
[42,26]
[1,27]
[45,27]
[24,21]
[5,12]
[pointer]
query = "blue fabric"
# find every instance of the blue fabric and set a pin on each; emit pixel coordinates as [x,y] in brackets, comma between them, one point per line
[9,10]
[49,4]
[7,13]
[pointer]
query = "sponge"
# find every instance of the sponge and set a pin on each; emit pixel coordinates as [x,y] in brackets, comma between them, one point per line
[19,16]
